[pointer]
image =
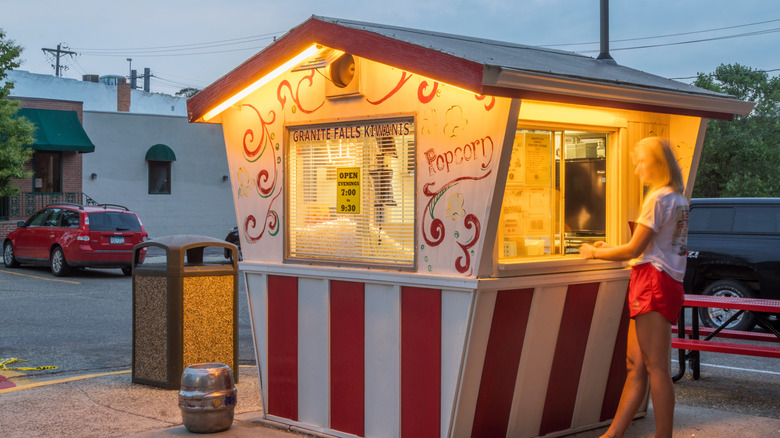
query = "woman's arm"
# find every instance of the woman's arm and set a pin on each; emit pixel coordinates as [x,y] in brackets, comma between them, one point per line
[639,241]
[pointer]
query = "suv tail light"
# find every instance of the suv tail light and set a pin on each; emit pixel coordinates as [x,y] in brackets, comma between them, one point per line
[84,232]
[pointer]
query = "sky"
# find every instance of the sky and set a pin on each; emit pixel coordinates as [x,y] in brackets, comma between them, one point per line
[193,43]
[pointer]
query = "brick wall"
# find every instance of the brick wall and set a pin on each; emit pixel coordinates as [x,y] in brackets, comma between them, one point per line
[123,97]
[71,172]
[71,161]
[60,105]
[5,228]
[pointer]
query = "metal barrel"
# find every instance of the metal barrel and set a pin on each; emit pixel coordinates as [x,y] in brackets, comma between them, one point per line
[207,397]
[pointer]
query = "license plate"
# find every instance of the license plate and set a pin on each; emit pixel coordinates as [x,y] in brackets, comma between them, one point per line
[117,240]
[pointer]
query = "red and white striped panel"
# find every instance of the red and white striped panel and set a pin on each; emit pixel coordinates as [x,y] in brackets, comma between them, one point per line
[351,358]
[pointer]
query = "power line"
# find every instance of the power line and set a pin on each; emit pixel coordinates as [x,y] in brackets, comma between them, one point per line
[137,54]
[194,46]
[667,35]
[733,74]
[762,32]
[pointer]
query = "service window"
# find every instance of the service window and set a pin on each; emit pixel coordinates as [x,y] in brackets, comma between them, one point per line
[351,192]
[555,195]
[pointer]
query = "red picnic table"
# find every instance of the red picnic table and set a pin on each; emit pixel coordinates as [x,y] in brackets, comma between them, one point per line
[689,348]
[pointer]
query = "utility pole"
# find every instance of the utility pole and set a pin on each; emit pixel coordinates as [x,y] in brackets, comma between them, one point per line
[58,52]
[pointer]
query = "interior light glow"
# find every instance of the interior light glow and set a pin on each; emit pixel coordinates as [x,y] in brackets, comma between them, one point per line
[262,81]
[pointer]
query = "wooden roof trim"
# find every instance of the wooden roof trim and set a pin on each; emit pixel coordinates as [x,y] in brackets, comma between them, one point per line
[412,58]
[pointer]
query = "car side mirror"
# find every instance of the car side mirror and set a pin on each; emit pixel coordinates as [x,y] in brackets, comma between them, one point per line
[20,224]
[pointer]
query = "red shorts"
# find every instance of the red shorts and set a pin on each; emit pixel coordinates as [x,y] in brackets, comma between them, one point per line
[651,289]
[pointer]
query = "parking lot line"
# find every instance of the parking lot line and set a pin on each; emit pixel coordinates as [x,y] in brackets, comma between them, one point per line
[54,382]
[750,370]
[39,277]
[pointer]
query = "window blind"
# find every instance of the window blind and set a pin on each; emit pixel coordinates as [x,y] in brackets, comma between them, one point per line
[351,192]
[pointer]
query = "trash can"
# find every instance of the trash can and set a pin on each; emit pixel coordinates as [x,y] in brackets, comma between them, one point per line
[185,307]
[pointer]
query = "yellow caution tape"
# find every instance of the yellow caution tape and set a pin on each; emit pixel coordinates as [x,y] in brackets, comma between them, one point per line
[11,360]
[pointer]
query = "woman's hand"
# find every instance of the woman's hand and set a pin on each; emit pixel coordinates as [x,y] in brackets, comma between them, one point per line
[587,251]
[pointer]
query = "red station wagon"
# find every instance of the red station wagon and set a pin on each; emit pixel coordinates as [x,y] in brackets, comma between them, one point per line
[66,235]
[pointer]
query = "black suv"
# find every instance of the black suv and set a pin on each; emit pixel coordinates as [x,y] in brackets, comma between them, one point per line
[733,250]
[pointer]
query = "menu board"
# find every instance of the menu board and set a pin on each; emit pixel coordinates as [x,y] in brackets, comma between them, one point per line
[525,212]
[537,159]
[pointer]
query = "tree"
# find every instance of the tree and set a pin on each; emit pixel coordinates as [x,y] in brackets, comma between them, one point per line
[15,133]
[741,158]
[187,92]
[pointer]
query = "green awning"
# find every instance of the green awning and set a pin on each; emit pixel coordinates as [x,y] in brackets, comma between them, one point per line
[160,152]
[57,130]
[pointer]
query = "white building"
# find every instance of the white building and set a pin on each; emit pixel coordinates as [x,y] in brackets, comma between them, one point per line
[147,157]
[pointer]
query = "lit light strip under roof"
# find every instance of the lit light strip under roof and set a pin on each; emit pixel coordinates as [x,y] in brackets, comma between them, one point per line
[260,82]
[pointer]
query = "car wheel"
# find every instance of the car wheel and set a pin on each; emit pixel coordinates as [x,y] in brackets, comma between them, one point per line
[714,317]
[59,267]
[127,271]
[8,256]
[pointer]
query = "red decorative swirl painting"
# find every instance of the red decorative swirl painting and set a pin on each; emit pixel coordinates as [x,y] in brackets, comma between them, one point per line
[435,234]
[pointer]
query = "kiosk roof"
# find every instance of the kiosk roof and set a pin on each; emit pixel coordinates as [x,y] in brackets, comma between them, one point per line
[482,66]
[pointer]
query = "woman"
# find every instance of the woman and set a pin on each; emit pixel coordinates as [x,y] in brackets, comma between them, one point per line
[655,297]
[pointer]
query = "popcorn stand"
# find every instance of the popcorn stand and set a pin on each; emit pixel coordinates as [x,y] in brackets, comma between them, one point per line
[410,206]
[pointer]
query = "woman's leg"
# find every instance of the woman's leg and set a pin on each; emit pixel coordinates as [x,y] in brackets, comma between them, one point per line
[634,389]
[654,336]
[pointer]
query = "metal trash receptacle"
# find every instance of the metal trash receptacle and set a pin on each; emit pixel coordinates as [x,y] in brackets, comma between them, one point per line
[185,308]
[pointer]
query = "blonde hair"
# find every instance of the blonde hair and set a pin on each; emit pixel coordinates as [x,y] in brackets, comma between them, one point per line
[661,151]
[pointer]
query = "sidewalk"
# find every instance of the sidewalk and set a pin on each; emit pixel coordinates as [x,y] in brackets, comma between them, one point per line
[110,405]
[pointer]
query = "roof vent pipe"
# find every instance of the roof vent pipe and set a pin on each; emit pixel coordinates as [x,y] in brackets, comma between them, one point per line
[604,55]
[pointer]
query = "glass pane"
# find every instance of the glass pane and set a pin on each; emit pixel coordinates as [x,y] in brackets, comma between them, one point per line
[159,177]
[113,221]
[757,220]
[585,194]
[46,169]
[555,195]
[70,219]
[351,192]
[38,219]
[528,223]
[54,218]
[710,219]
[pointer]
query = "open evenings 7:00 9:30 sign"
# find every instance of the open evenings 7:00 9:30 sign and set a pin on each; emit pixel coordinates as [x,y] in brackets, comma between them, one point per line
[348,190]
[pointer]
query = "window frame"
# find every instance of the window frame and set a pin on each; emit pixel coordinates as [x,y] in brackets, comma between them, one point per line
[411,163]
[166,165]
[613,152]
[58,170]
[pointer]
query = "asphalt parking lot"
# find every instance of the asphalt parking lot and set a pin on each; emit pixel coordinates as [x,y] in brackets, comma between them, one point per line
[83,324]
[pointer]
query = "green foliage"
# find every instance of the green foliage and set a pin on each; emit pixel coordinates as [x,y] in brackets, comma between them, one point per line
[15,133]
[188,92]
[741,158]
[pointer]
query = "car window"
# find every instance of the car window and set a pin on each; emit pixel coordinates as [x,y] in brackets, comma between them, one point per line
[710,219]
[757,219]
[53,220]
[113,221]
[70,219]
[38,218]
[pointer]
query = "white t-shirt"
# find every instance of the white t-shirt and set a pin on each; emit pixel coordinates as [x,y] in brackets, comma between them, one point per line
[666,213]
